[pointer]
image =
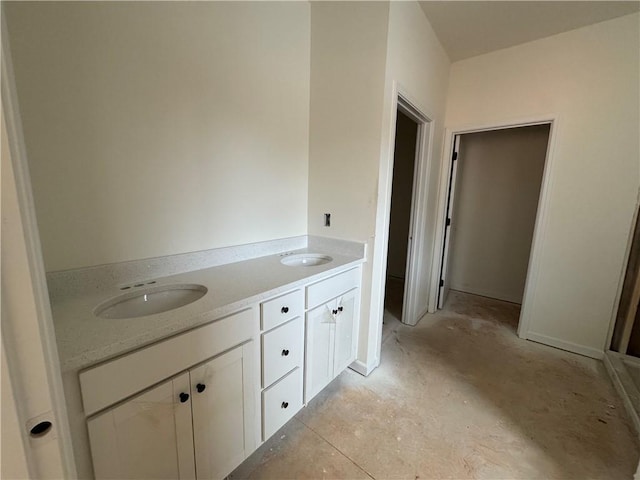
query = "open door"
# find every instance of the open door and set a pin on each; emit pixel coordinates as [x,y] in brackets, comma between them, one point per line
[444,284]
[36,442]
[410,311]
[407,249]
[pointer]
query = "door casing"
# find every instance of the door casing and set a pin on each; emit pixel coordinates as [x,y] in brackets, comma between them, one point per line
[373,339]
[541,214]
[410,315]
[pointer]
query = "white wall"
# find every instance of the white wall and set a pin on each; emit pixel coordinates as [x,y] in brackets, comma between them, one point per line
[352,128]
[348,54]
[417,66]
[589,79]
[404,156]
[163,127]
[348,47]
[496,198]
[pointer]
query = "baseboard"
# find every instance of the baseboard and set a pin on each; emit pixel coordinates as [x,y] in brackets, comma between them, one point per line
[395,277]
[564,345]
[623,384]
[362,368]
[488,293]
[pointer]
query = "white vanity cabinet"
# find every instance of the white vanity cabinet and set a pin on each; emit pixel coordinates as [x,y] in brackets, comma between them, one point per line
[331,329]
[194,406]
[199,424]
[282,360]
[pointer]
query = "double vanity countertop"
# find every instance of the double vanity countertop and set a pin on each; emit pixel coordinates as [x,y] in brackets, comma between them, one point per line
[85,339]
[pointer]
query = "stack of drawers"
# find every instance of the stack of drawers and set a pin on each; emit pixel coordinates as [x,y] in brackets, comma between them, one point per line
[282,342]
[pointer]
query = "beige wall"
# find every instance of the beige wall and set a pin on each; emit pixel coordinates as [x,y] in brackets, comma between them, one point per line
[496,199]
[404,156]
[160,128]
[588,78]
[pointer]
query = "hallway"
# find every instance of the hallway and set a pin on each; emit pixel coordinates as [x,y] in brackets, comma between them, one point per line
[459,396]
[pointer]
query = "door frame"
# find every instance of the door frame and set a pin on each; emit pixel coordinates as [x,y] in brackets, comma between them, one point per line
[371,341]
[542,213]
[416,240]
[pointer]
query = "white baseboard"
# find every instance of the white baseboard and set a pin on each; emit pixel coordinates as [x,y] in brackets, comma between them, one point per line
[564,345]
[362,368]
[488,293]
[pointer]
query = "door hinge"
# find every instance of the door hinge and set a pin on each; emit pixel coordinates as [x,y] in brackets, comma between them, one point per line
[448,222]
[455,156]
[442,282]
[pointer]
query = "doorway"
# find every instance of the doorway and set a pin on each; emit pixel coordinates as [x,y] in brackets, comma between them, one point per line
[495,184]
[403,179]
[405,185]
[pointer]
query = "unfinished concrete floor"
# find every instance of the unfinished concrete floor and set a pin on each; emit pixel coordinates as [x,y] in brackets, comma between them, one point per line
[458,396]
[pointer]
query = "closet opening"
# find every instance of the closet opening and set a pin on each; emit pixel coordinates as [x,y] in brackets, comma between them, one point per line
[494,189]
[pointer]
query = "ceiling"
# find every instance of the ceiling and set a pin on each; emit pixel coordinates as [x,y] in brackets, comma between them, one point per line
[470,28]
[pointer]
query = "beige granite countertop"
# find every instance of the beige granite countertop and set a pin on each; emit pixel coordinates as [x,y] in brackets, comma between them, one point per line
[85,339]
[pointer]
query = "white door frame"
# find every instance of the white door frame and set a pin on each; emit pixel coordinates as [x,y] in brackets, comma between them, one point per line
[28,336]
[542,213]
[373,338]
[417,216]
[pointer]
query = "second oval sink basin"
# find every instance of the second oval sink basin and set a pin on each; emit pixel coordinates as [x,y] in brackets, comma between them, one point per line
[150,301]
[306,260]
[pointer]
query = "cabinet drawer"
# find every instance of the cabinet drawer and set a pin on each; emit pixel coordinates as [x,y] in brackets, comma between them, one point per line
[282,350]
[330,288]
[281,402]
[280,309]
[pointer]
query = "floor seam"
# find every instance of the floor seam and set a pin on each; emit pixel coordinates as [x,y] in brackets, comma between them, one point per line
[339,450]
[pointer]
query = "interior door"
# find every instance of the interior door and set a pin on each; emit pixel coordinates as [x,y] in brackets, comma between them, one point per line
[36,439]
[444,281]
[410,310]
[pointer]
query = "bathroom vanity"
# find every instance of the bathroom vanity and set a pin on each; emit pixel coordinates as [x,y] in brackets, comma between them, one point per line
[190,392]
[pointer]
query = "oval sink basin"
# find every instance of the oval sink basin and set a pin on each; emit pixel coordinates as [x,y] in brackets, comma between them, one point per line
[150,301]
[306,260]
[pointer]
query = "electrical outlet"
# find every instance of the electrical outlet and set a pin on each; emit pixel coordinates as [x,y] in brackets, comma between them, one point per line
[327,219]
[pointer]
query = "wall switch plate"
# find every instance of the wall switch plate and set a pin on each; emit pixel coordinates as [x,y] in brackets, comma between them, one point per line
[327,219]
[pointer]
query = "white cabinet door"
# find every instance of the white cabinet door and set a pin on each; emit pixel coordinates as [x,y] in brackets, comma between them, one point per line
[319,349]
[149,436]
[345,334]
[222,397]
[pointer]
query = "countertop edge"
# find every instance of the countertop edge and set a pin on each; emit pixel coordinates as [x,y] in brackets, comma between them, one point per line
[110,351]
